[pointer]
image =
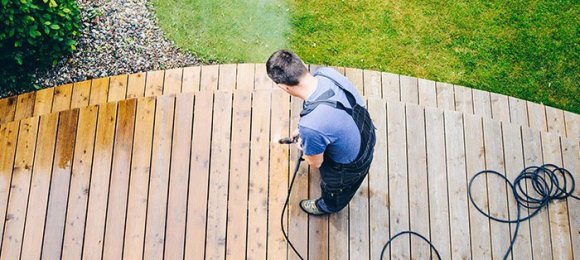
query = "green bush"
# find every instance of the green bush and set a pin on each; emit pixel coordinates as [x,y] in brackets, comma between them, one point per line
[34,35]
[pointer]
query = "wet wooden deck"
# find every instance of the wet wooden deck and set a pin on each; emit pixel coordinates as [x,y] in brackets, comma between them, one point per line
[185,163]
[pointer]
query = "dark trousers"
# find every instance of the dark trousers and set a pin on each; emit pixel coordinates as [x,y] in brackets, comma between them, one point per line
[338,188]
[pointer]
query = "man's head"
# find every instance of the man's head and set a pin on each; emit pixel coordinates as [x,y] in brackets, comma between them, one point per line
[285,68]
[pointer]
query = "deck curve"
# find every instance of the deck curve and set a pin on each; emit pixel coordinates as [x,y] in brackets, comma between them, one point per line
[184,163]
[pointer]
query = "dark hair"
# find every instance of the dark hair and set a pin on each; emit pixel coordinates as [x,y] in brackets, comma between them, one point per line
[285,67]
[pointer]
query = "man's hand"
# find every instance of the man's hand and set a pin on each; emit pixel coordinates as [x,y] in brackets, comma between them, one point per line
[295,134]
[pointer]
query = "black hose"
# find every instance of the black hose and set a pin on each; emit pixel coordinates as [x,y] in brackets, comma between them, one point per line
[543,179]
[288,200]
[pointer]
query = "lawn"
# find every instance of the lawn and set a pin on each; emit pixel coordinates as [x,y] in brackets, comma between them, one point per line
[527,49]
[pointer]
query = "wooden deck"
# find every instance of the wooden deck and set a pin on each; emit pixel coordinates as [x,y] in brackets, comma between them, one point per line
[185,163]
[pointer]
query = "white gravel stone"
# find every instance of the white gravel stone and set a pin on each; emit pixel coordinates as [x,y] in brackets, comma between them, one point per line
[117,37]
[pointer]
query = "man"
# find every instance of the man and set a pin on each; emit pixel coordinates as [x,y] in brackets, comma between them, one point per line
[338,136]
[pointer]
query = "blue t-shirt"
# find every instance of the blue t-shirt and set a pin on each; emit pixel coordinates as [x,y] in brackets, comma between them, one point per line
[328,129]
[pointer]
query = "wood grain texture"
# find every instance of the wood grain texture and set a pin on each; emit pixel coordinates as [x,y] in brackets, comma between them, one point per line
[159,178]
[239,172]
[139,179]
[198,181]
[59,184]
[445,96]
[19,189]
[80,183]
[136,85]
[179,177]
[119,182]
[409,90]
[99,185]
[81,94]
[191,78]
[209,77]
[99,91]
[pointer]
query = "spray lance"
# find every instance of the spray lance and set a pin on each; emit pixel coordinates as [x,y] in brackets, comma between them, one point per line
[290,140]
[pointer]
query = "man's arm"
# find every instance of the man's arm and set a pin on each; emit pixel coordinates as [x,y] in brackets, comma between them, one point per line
[315,160]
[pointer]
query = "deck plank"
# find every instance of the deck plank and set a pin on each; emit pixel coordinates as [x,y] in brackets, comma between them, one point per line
[245,77]
[378,182]
[278,187]
[317,226]
[418,180]
[537,116]
[99,91]
[227,77]
[497,188]
[8,138]
[62,98]
[159,178]
[457,183]
[572,125]
[391,87]
[43,101]
[481,103]
[398,181]
[356,78]
[99,185]
[239,171]
[59,185]
[427,93]
[436,168]
[558,210]
[79,183]
[500,109]
[258,185]
[555,121]
[475,162]
[191,79]
[518,111]
[463,99]
[19,189]
[409,90]
[219,176]
[39,187]
[209,77]
[445,96]
[372,81]
[7,109]
[154,83]
[261,78]
[514,164]
[139,179]
[571,161]
[172,81]
[119,183]
[136,85]
[297,219]
[359,213]
[198,181]
[539,225]
[179,177]
[25,105]
[117,88]
[81,94]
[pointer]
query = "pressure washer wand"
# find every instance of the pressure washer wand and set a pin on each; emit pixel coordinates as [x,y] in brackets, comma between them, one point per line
[289,140]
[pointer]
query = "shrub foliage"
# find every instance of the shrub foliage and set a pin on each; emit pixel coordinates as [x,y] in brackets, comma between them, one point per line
[34,34]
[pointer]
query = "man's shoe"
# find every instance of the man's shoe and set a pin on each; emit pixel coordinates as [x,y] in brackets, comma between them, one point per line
[309,206]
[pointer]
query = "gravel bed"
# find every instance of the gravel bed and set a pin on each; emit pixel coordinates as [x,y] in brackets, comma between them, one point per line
[117,37]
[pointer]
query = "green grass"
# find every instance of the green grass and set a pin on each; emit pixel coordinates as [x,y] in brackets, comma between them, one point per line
[226,31]
[523,48]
